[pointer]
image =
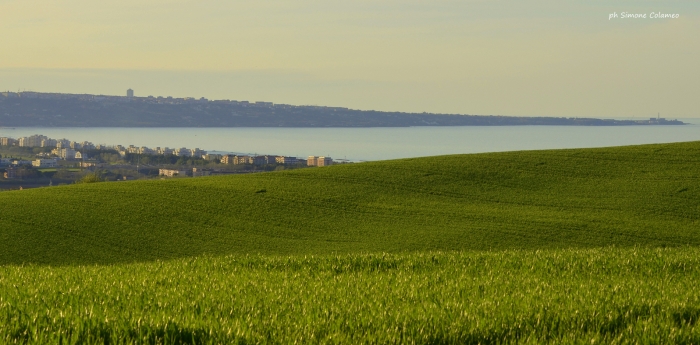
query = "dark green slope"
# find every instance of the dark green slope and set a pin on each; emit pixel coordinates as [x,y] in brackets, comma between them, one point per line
[627,196]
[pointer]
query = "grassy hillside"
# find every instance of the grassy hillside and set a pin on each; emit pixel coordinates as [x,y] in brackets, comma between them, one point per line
[321,278]
[565,296]
[627,196]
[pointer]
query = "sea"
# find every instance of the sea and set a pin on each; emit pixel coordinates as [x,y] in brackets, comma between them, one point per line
[372,144]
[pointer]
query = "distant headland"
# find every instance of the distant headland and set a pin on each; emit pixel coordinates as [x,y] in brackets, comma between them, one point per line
[37,109]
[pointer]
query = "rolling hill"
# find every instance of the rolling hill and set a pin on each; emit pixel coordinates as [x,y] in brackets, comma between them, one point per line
[582,198]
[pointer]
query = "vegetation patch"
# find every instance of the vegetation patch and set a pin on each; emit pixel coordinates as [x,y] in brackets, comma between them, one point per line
[625,196]
[575,296]
[565,246]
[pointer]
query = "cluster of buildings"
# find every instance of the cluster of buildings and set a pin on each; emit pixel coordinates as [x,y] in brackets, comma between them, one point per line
[319,161]
[65,149]
[283,160]
[69,150]
[38,140]
[254,160]
[11,166]
[196,172]
[37,163]
[143,150]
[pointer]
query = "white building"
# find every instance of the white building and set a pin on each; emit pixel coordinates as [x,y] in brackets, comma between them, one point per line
[21,162]
[171,172]
[32,141]
[197,153]
[62,143]
[286,160]
[48,143]
[182,152]
[166,151]
[319,161]
[5,141]
[66,153]
[211,156]
[45,163]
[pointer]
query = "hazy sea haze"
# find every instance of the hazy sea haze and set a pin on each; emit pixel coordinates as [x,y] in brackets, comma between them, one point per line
[358,144]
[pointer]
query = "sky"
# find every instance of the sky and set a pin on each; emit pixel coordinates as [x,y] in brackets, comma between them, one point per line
[489,57]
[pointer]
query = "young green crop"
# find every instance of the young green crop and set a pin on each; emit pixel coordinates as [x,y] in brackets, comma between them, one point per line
[625,196]
[610,295]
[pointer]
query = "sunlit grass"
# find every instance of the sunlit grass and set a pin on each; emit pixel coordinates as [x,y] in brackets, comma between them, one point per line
[566,246]
[610,295]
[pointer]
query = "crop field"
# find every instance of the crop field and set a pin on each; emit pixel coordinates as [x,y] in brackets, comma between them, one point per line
[611,295]
[625,196]
[564,246]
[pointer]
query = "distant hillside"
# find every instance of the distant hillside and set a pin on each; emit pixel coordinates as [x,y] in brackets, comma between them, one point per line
[29,109]
[624,196]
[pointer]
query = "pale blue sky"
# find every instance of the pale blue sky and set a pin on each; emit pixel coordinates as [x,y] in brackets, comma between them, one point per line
[552,58]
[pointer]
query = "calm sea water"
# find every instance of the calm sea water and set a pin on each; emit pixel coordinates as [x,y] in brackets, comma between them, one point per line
[358,144]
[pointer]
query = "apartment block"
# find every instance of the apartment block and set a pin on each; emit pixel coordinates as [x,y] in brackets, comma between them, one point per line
[182,152]
[48,143]
[62,143]
[324,161]
[242,160]
[319,161]
[263,160]
[197,153]
[45,163]
[227,159]
[7,141]
[211,156]
[171,172]
[32,141]
[66,153]
[286,160]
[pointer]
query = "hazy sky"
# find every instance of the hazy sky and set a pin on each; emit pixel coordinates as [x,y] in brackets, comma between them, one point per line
[538,57]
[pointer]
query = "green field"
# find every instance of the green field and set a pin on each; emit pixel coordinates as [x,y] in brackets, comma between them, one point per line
[560,296]
[562,246]
[56,169]
[639,195]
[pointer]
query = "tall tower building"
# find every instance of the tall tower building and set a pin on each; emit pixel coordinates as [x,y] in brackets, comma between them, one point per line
[130,93]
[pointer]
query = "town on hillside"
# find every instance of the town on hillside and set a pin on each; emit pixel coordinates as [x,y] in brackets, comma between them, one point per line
[39,161]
